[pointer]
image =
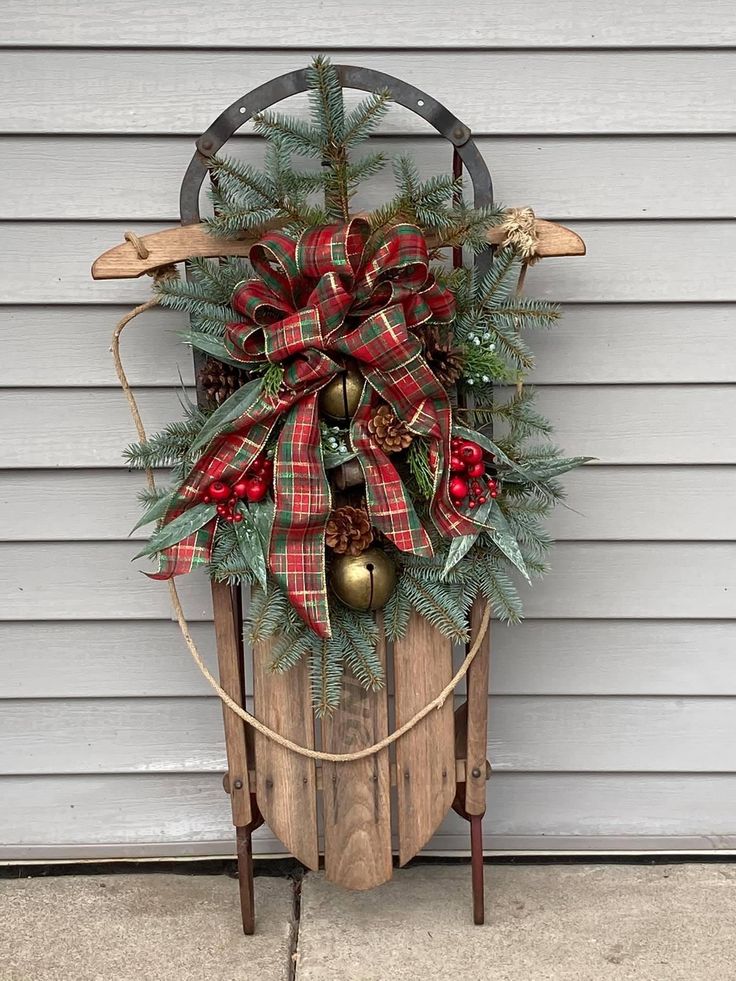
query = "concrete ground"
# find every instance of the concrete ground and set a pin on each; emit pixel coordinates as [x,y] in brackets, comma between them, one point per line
[573,923]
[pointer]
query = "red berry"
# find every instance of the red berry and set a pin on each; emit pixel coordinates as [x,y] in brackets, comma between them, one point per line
[471,452]
[471,504]
[257,489]
[237,517]
[456,464]
[458,488]
[230,518]
[221,510]
[207,499]
[219,491]
[456,442]
[240,489]
[482,499]
[476,469]
[494,493]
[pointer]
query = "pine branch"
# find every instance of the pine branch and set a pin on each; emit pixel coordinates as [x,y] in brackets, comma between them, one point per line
[326,673]
[168,448]
[495,583]
[296,136]
[227,563]
[444,606]
[362,121]
[290,648]
[397,612]
[356,633]
[148,497]
[501,280]
[269,610]
[206,293]
[417,461]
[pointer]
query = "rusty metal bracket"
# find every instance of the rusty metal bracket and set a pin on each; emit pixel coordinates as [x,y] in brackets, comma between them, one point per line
[366,79]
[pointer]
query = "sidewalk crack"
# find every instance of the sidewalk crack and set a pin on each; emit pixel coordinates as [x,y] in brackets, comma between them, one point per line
[297,879]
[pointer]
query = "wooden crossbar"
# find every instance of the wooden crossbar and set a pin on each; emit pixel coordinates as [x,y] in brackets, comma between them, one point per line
[172,245]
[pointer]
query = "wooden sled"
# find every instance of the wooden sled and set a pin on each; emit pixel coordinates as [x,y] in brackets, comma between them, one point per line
[439,764]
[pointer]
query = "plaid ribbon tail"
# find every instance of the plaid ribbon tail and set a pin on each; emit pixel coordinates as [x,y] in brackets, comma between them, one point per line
[303,504]
[389,505]
[194,550]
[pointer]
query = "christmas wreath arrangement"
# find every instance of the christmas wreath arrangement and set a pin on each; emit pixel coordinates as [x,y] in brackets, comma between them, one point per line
[370,441]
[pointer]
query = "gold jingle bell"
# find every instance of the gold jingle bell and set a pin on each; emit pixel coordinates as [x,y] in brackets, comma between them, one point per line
[339,398]
[365,581]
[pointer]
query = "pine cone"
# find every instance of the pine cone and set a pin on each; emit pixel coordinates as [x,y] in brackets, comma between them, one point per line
[445,360]
[219,380]
[388,431]
[349,531]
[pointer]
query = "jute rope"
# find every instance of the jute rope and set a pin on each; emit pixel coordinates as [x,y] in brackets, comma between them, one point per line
[251,720]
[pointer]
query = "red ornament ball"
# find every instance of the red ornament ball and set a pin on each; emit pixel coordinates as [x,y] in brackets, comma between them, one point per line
[456,464]
[476,470]
[219,490]
[256,489]
[240,489]
[471,452]
[458,488]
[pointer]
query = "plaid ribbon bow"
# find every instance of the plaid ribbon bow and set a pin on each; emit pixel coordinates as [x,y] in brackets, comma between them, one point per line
[328,296]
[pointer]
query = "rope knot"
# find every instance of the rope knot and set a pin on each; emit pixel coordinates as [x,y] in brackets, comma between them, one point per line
[138,244]
[520,232]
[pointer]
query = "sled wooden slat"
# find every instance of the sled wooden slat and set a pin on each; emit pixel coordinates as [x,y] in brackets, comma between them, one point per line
[357,795]
[477,717]
[229,667]
[172,245]
[286,782]
[425,756]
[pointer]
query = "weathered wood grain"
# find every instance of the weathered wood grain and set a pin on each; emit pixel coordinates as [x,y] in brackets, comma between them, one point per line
[475,716]
[589,580]
[425,756]
[422,25]
[565,178]
[633,424]
[231,675]
[158,91]
[584,347]
[286,782]
[357,796]
[604,503]
[144,659]
[177,243]
[627,262]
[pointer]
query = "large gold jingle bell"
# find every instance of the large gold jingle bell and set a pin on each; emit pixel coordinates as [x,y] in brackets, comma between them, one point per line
[365,581]
[340,397]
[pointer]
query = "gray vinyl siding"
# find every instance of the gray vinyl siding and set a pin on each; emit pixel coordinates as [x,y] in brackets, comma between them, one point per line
[613,709]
